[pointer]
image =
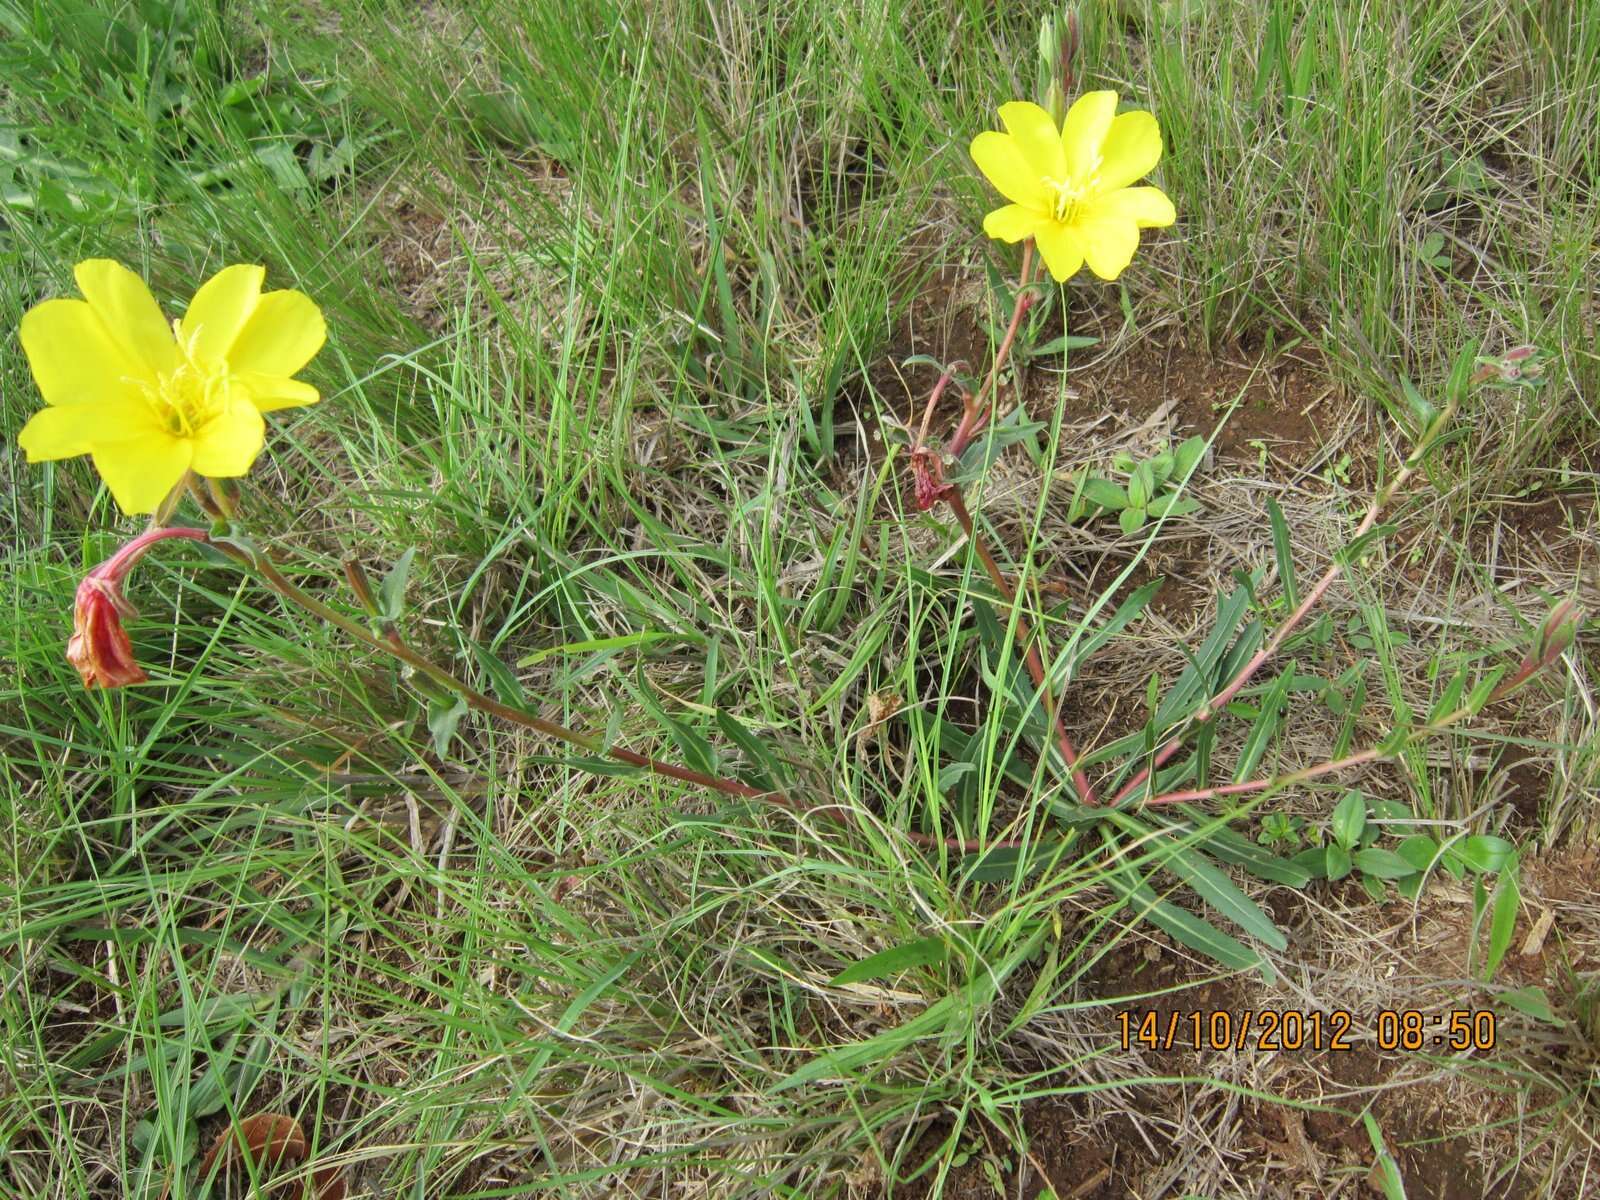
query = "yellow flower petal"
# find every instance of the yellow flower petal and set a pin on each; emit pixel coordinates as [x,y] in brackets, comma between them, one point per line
[1000,158]
[142,470]
[1108,246]
[1083,132]
[283,333]
[1146,207]
[272,392]
[74,359]
[1013,223]
[1036,137]
[1132,149]
[58,432]
[128,311]
[230,441]
[220,309]
[1061,248]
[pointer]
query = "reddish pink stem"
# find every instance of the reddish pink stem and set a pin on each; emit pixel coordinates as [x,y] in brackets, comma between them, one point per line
[119,564]
[1260,785]
[977,414]
[1217,703]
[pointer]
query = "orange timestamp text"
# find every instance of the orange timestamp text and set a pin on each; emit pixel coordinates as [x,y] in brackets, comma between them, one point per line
[1305,1030]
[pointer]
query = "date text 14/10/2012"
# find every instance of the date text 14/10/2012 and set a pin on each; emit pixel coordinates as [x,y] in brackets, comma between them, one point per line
[1454,1030]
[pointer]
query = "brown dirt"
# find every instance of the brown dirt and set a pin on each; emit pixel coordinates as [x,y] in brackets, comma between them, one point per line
[1061,1156]
[1286,404]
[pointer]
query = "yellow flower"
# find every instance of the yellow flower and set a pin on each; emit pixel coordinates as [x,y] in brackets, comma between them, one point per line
[150,401]
[1069,188]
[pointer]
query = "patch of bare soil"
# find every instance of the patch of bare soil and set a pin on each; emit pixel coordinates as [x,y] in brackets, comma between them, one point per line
[1283,407]
[1061,1156]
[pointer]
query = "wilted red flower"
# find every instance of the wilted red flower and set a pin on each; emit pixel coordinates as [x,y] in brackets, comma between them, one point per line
[927,481]
[99,647]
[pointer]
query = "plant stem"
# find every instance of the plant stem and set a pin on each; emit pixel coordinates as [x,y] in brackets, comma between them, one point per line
[933,399]
[394,646]
[977,411]
[1526,670]
[1025,641]
[1261,785]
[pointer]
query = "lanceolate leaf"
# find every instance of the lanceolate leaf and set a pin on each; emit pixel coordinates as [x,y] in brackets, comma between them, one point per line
[1265,727]
[1192,931]
[501,677]
[920,953]
[392,591]
[1208,882]
[443,717]
[1002,865]
[697,752]
[1503,924]
[1084,646]
[766,764]
[1283,552]
[1236,850]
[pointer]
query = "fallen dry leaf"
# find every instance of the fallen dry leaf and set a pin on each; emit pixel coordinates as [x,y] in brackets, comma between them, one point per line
[268,1140]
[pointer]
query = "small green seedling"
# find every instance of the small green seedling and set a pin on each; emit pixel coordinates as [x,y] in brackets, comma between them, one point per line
[1153,488]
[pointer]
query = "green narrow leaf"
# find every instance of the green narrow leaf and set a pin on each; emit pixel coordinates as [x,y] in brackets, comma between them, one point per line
[761,758]
[1265,726]
[1067,341]
[603,644]
[920,953]
[1530,1002]
[1283,551]
[1503,924]
[443,717]
[697,752]
[505,683]
[1183,926]
[1237,850]
[392,591]
[1450,698]
[1081,649]
[1215,888]
[1384,1169]
[1014,862]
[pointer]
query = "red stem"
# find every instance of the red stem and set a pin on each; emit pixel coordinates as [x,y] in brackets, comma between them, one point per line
[1259,785]
[977,415]
[1217,703]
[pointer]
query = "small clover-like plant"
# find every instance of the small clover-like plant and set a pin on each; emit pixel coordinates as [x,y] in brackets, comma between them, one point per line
[1280,829]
